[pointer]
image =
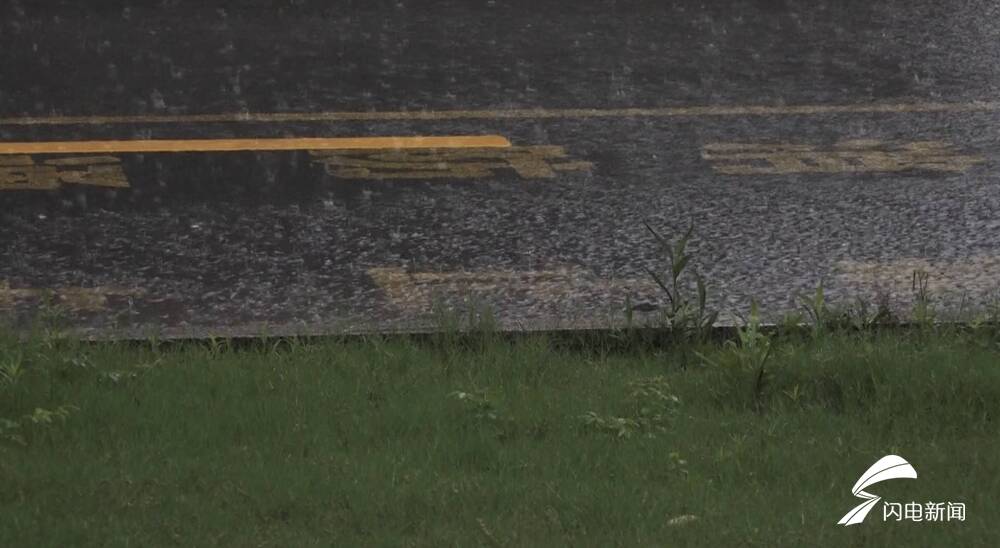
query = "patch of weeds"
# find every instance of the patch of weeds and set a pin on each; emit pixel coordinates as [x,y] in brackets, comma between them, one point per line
[11,371]
[43,368]
[652,401]
[983,329]
[483,411]
[69,368]
[923,305]
[46,416]
[482,324]
[824,318]
[146,366]
[21,431]
[794,394]
[688,318]
[218,346]
[10,431]
[816,310]
[620,427]
[677,463]
[651,407]
[50,319]
[473,327]
[116,377]
[748,354]
[861,317]
[477,404]
[790,328]
[447,326]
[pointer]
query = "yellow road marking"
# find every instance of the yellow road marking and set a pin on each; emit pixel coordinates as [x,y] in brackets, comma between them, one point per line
[533,113]
[21,172]
[844,157]
[80,299]
[532,162]
[972,273]
[417,291]
[971,282]
[237,145]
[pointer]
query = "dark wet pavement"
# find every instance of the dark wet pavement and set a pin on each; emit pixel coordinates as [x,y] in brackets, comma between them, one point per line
[902,178]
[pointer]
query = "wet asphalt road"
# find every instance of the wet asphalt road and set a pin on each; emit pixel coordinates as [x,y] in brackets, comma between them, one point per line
[251,242]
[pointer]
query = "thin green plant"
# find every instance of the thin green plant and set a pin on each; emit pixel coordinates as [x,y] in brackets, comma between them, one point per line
[687,318]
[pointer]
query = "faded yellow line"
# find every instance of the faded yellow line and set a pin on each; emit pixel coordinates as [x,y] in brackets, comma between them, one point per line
[81,299]
[235,145]
[658,112]
[853,156]
[972,273]
[417,291]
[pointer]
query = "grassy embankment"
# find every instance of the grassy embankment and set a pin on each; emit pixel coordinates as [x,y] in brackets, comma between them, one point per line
[484,441]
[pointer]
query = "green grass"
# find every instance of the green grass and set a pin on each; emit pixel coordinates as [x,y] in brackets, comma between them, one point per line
[487,442]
